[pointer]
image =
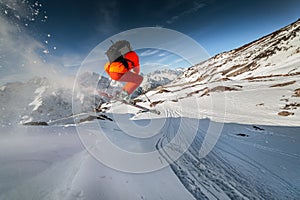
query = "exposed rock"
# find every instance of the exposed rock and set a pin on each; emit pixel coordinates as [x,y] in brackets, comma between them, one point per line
[297,93]
[283,84]
[163,91]
[223,88]
[153,104]
[291,106]
[285,113]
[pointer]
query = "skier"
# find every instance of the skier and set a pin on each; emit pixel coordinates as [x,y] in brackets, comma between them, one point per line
[124,66]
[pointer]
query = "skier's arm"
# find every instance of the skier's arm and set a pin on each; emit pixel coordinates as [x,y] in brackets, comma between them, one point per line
[136,69]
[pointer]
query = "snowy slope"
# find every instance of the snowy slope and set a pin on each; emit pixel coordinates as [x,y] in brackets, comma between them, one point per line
[65,170]
[248,162]
[273,55]
[256,83]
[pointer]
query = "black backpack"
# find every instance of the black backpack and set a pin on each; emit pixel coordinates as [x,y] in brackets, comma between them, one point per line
[117,50]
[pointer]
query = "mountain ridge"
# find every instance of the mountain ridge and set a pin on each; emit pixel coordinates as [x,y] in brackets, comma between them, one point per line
[260,50]
[262,75]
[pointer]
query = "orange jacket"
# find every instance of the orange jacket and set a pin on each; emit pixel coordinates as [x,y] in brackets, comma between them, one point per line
[118,67]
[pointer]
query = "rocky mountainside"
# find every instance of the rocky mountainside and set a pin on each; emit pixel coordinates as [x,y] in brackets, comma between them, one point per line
[276,54]
[260,77]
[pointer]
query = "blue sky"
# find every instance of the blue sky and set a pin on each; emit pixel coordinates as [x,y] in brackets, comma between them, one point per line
[66,31]
[217,25]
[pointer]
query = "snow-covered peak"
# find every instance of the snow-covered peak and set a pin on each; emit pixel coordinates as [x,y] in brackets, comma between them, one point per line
[159,78]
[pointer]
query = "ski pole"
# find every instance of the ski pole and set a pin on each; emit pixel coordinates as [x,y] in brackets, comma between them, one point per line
[147,98]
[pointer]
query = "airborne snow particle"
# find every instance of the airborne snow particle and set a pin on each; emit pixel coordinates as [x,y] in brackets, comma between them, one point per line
[54,48]
[49,35]
[202,167]
[5,11]
[46,51]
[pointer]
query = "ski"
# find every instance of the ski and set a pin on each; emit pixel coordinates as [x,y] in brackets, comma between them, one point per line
[142,108]
[76,118]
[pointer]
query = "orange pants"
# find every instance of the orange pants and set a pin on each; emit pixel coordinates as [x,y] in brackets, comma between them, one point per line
[133,80]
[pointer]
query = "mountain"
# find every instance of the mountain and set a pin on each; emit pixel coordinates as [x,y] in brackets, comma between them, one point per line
[276,54]
[37,99]
[258,82]
[41,99]
[159,78]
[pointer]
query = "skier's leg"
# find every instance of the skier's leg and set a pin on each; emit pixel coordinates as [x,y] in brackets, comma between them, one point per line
[115,76]
[132,80]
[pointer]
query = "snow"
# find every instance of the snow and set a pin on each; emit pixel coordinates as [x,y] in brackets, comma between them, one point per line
[2,88]
[37,102]
[64,170]
[219,134]
[51,163]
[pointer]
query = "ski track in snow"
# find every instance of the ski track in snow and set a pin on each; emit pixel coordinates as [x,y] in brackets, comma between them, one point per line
[237,168]
[217,177]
